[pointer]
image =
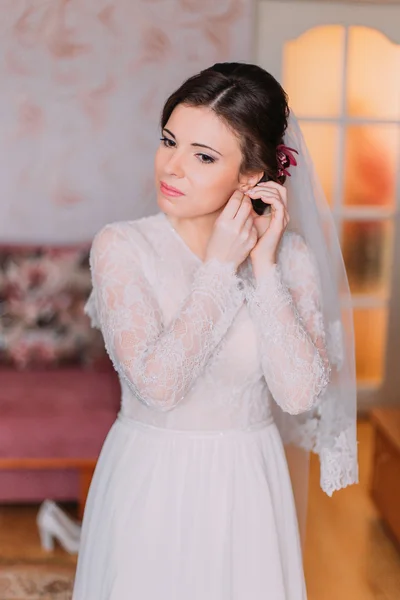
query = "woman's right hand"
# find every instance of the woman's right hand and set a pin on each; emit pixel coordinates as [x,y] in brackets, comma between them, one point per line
[234,234]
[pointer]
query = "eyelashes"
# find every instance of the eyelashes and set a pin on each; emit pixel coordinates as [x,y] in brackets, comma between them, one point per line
[205,158]
[166,142]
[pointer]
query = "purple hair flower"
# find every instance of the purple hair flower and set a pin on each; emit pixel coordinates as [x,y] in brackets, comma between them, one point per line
[285,158]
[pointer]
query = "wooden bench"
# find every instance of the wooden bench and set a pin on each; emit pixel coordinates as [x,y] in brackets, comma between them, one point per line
[84,466]
[385,484]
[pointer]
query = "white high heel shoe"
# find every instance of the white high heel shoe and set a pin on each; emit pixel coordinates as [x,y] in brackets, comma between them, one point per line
[53,524]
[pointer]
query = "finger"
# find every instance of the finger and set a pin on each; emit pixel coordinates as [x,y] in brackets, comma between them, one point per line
[263,190]
[274,187]
[248,223]
[233,205]
[245,209]
[267,195]
[278,210]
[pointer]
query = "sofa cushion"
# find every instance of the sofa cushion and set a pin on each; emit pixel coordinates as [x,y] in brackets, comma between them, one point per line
[63,413]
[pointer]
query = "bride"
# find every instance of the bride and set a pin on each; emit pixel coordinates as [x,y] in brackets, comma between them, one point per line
[223,315]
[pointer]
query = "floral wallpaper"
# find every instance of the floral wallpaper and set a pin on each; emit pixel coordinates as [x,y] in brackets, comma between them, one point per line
[82,86]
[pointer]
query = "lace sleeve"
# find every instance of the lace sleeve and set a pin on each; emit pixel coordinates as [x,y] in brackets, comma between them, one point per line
[285,306]
[158,363]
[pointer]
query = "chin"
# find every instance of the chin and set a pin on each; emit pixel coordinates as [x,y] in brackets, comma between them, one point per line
[173,206]
[167,205]
[172,203]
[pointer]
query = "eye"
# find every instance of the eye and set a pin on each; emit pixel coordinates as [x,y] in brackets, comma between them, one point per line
[166,141]
[206,159]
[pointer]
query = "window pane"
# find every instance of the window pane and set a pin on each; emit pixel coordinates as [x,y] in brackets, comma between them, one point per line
[373,80]
[312,71]
[367,252]
[371,159]
[370,327]
[322,142]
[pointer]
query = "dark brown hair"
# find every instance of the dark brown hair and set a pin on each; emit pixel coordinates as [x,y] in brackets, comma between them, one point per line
[252,104]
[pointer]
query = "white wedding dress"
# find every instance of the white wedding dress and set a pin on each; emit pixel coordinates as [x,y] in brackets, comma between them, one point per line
[191,498]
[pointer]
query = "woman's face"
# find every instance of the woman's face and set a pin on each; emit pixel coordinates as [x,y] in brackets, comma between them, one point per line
[200,157]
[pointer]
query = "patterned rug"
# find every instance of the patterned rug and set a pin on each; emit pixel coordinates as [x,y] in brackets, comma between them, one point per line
[36,582]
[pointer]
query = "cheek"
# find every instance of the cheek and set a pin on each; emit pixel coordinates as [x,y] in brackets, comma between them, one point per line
[212,189]
[216,182]
[158,160]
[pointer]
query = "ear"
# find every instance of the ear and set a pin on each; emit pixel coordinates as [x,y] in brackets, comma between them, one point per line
[248,181]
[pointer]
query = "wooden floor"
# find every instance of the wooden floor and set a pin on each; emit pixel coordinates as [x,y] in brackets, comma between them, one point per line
[349,555]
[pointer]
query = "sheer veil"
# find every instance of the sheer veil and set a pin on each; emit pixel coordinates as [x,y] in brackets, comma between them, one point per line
[329,429]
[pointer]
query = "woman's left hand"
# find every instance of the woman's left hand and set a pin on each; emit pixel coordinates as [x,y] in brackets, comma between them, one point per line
[271,227]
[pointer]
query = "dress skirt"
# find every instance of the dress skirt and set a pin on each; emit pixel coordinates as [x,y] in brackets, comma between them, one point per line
[190,515]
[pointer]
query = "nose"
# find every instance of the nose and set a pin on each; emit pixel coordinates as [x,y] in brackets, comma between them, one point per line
[174,166]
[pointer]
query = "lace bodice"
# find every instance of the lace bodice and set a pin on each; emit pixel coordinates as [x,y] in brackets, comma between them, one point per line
[198,346]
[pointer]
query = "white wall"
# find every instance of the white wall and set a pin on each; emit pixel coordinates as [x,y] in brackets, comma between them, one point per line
[82,86]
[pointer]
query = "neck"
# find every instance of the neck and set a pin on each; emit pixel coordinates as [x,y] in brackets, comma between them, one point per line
[195,231]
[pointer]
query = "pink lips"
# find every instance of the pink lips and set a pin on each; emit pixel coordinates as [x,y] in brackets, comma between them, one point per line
[169,191]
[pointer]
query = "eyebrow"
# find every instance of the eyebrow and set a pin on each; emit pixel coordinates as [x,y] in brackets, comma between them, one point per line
[194,144]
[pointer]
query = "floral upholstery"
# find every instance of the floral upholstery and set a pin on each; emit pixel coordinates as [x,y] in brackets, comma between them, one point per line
[42,294]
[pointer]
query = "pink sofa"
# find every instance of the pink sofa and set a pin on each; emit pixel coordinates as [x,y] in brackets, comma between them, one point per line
[59,394]
[62,413]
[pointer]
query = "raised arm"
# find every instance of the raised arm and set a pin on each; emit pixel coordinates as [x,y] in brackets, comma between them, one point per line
[286,308]
[158,363]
